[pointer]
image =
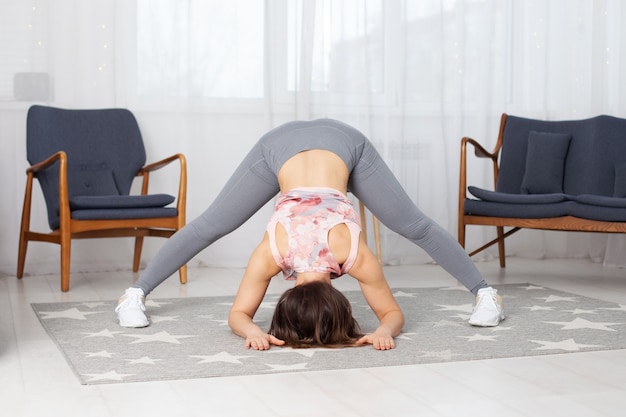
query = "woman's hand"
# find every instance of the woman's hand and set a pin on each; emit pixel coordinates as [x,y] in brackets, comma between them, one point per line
[381,340]
[262,341]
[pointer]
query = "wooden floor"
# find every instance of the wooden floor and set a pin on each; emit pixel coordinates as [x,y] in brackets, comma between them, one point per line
[35,380]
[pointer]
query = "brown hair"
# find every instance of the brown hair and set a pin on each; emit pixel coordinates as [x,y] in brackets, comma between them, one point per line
[315,314]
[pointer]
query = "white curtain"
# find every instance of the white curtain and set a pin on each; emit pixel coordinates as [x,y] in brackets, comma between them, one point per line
[208,77]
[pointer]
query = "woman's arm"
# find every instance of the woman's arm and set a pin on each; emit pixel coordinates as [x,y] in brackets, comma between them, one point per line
[260,270]
[378,295]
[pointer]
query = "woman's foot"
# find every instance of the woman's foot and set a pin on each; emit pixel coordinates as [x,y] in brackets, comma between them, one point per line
[489,309]
[131,308]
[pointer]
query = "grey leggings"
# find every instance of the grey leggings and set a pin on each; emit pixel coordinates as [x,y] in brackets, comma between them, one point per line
[255,182]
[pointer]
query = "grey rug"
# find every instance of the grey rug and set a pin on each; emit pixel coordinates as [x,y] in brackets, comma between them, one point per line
[189,337]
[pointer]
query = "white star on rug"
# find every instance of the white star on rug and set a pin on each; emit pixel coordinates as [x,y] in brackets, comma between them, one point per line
[102,333]
[405,336]
[159,319]
[539,308]
[221,322]
[466,308]
[93,304]
[70,313]
[219,357]
[445,323]
[307,352]
[553,298]
[111,375]
[579,311]
[480,338]
[579,323]
[144,360]
[101,354]
[442,354]
[500,328]
[454,288]
[158,337]
[568,345]
[531,287]
[294,367]
[403,294]
[622,307]
[156,304]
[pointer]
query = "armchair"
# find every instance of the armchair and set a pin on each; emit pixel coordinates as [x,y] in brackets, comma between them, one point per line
[85,162]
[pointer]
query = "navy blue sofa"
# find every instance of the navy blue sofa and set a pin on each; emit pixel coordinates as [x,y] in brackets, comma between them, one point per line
[551,175]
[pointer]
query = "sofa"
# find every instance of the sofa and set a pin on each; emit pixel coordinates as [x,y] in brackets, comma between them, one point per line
[551,175]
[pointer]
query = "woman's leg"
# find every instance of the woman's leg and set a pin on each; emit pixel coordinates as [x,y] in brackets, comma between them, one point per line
[373,183]
[250,187]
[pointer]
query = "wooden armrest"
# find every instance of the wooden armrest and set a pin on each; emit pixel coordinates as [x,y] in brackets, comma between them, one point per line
[182,184]
[160,164]
[479,150]
[43,165]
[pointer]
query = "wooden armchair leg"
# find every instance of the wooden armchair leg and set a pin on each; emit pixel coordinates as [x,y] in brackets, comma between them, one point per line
[137,254]
[182,272]
[21,256]
[66,248]
[501,253]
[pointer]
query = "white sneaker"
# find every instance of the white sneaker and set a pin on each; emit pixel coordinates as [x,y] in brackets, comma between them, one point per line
[489,309]
[130,308]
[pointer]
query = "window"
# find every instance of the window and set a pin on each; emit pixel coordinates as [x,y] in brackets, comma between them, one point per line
[200,48]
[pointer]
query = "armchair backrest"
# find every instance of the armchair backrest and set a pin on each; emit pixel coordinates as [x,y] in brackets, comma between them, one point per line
[104,150]
[597,144]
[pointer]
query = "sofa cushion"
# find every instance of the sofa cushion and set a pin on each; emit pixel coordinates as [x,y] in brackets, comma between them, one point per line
[545,162]
[498,197]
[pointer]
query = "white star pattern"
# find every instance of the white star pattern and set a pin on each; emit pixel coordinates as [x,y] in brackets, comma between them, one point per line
[444,323]
[102,333]
[164,337]
[531,287]
[568,345]
[466,308]
[70,313]
[442,354]
[282,368]
[144,360]
[221,322]
[405,336]
[107,376]
[403,294]
[622,307]
[579,311]
[555,298]
[539,308]
[308,352]
[480,338]
[101,354]
[219,357]
[160,319]
[156,304]
[579,323]
[94,304]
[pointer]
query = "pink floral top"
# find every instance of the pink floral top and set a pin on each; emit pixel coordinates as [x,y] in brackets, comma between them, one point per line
[308,215]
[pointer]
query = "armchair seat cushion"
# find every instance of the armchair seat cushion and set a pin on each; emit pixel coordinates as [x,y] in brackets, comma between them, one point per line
[499,197]
[120,201]
[131,213]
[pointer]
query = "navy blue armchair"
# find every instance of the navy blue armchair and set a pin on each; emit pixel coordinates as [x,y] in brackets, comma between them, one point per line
[85,162]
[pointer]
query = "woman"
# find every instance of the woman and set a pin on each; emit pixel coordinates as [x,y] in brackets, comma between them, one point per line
[279,162]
